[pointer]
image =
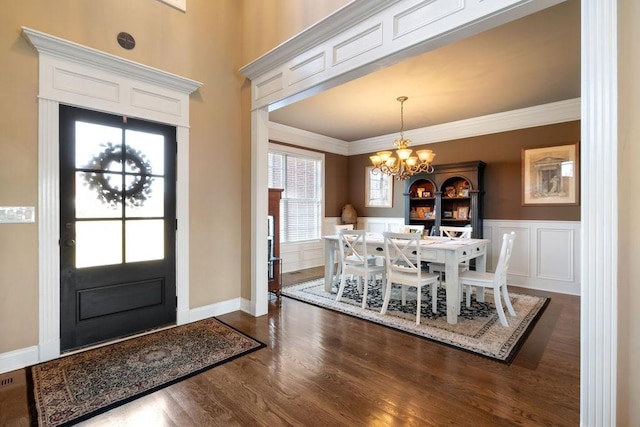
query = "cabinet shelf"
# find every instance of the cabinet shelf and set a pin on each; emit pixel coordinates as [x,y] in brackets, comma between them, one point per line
[452,189]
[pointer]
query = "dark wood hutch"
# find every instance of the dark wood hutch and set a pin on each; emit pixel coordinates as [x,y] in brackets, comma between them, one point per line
[451,196]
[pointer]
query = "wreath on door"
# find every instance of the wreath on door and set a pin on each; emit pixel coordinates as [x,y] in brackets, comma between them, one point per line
[136,192]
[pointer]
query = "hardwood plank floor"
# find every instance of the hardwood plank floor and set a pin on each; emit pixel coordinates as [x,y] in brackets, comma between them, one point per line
[329,369]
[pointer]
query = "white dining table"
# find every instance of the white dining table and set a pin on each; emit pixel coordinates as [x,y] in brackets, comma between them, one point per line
[445,250]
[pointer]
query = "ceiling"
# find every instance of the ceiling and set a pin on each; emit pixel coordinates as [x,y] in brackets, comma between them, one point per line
[532,61]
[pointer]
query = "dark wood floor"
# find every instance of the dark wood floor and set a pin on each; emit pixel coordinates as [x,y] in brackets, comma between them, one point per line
[324,368]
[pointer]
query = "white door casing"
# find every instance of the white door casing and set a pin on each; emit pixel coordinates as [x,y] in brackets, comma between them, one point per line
[76,75]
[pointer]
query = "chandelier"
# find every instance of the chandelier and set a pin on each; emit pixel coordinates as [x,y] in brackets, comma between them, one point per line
[406,164]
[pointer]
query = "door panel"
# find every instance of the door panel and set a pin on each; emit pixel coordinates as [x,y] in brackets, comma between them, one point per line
[117,230]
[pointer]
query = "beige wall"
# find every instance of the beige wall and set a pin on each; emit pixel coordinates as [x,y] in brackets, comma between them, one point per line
[502,183]
[204,45]
[268,23]
[629,206]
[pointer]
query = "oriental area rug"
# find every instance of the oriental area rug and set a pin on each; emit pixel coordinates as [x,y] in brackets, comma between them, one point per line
[478,329]
[74,388]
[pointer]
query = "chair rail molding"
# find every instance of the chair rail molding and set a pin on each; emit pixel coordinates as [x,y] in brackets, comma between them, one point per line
[77,75]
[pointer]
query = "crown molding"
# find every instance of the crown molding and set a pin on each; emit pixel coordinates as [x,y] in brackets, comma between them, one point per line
[306,139]
[70,51]
[541,115]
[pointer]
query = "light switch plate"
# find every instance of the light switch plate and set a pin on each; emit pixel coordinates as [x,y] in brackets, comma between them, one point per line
[17,214]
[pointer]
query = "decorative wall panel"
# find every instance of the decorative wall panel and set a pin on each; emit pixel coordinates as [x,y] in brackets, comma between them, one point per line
[554,245]
[268,87]
[422,15]
[154,101]
[310,67]
[82,84]
[369,39]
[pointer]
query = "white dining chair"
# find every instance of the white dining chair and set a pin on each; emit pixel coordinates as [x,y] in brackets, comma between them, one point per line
[356,262]
[497,281]
[339,227]
[453,233]
[402,256]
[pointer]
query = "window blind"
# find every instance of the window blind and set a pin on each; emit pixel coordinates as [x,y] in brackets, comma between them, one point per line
[300,176]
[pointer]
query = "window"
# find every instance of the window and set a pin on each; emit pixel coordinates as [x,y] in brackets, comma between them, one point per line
[378,189]
[300,174]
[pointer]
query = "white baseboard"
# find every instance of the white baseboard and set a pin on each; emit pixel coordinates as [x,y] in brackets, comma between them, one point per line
[21,358]
[216,309]
[18,359]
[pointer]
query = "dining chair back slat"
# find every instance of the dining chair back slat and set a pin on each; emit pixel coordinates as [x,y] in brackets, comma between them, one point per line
[403,261]
[456,232]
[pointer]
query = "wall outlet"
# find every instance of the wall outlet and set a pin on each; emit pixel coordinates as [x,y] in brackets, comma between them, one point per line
[17,214]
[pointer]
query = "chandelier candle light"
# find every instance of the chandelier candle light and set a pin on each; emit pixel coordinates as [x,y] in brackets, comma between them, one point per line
[383,161]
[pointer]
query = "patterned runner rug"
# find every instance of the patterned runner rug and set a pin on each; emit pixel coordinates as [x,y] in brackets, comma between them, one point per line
[73,388]
[478,329]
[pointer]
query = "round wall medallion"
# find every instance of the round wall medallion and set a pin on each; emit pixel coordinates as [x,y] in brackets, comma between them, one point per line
[126,40]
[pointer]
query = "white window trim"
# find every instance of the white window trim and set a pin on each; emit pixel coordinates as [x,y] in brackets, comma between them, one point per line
[315,155]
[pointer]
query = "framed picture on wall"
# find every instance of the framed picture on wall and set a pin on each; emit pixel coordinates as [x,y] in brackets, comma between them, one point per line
[550,175]
[378,189]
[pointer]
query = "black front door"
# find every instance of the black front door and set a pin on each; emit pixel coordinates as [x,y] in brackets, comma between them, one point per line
[117,226]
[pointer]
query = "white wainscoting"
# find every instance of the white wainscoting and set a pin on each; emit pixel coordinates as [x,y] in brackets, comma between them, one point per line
[546,253]
[298,256]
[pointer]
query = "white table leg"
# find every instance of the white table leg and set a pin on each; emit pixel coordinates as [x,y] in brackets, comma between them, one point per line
[329,263]
[452,287]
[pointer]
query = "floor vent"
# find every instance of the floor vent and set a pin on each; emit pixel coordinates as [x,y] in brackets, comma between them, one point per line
[11,379]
